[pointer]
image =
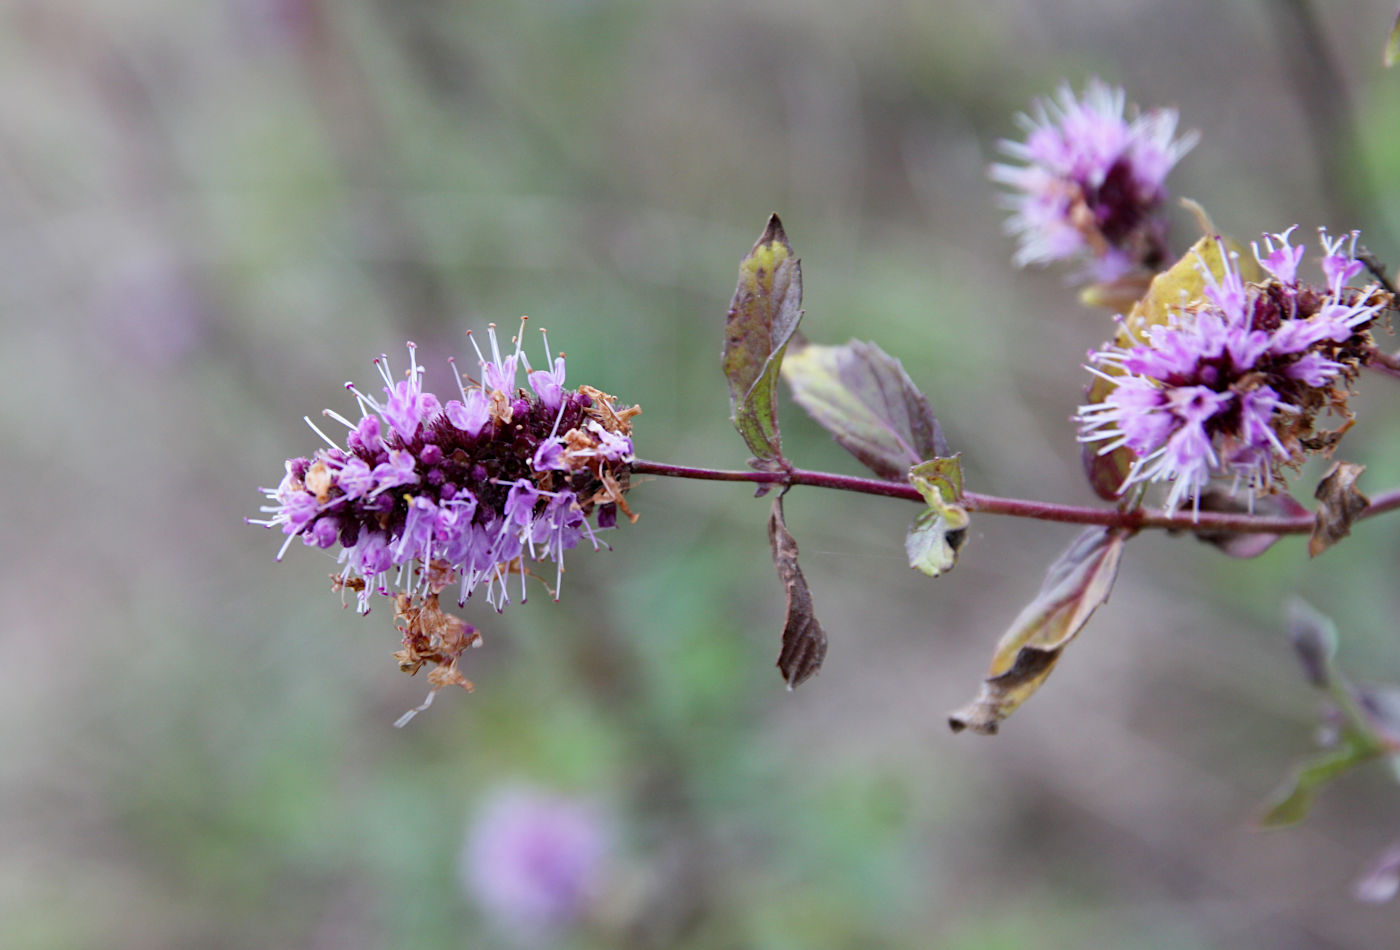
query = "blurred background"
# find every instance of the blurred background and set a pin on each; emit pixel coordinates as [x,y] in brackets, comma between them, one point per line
[212,215]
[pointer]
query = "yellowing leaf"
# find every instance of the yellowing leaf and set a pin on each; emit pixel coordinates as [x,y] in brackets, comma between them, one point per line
[762,318]
[935,538]
[938,533]
[1074,587]
[939,480]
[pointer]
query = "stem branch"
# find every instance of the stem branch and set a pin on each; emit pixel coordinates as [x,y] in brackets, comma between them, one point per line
[1205,522]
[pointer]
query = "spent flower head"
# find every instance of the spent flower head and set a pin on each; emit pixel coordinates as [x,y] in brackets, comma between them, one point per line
[465,494]
[1233,384]
[1092,182]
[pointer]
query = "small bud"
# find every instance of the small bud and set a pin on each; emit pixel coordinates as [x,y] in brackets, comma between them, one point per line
[1314,638]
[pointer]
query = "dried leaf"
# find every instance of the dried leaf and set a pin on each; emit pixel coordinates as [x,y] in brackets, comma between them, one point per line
[939,532]
[1314,638]
[1339,503]
[1246,544]
[865,399]
[431,635]
[1182,283]
[1292,800]
[804,641]
[1074,587]
[762,318]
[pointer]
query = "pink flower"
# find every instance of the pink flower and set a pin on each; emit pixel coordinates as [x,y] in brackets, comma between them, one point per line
[1091,181]
[1233,383]
[534,861]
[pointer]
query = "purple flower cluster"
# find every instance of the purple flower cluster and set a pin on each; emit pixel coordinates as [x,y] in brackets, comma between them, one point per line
[427,495]
[1233,383]
[1091,183]
[534,861]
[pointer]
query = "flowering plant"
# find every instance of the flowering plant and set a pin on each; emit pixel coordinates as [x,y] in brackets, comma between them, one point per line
[1224,372]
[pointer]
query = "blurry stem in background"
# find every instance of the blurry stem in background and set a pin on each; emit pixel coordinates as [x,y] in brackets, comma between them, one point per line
[1321,92]
[346,97]
[1205,522]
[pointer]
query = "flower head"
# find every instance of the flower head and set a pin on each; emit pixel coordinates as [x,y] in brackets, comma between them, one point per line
[1092,181]
[534,860]
[1234,382]
[426,496]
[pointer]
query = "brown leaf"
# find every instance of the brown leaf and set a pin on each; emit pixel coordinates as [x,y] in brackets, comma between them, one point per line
[804,641]
[1074,587]
[1339,502]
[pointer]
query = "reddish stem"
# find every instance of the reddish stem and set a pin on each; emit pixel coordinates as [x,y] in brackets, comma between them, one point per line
[1205,522]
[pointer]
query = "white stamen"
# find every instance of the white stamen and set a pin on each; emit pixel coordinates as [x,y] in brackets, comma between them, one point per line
[461,389]
[328,439]
[332,414]
[286,544]
[407,717]
[382,364]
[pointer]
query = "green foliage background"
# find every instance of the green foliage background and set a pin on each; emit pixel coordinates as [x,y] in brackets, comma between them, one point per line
[213,214]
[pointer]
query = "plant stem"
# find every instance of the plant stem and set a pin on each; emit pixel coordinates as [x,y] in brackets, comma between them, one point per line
[1205,522]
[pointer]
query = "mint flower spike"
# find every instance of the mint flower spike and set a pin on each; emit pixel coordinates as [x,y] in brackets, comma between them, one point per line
[425,496]
[1233,384]
[1092,182]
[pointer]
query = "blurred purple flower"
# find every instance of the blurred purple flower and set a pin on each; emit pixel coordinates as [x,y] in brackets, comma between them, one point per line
[1092,181]
[150,307]
[1232,384]
[534,861]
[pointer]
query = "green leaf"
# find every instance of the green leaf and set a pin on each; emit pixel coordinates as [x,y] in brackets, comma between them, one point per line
[804,641]
[939,480]
[865,399]
[935,538]
[1075,585]
[1292,800]
[762,318]
[937,534]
